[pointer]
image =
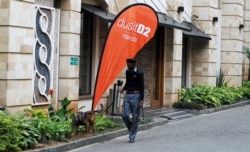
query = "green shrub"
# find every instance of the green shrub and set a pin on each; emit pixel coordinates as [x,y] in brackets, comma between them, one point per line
[16,133]
[38,113]
[246,92]
[221,79]
[29,132]
[55,128]
[246,84]
[231,95]
[33,126]
[64,112]
[188,105]
[102,123]
[246,89]
[8,127]
[209,96]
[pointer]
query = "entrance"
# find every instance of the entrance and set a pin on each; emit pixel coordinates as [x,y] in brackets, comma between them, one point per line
[157,69]
[185,63]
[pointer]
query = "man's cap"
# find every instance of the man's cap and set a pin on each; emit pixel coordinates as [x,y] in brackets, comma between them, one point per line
[131,60]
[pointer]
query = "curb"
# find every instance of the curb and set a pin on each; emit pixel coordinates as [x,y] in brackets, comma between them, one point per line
[99,138]
[212,110]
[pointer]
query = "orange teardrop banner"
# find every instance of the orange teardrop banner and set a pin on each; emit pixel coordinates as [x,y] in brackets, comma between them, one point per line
[132,28]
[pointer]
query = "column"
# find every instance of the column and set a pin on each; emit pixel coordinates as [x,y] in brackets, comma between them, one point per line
[232,41]
[16,49]
[204,52]
[69,49]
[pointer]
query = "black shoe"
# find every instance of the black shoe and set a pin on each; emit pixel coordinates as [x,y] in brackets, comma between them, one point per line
[131,141]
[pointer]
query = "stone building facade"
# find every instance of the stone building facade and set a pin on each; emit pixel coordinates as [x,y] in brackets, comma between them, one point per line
[57,44]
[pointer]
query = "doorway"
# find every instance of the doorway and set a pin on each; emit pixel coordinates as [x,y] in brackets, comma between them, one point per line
[157,69]
[185,63]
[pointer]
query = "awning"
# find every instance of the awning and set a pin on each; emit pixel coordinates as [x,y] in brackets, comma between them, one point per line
[104,14]
[188,28]
[167,21]
[195,32]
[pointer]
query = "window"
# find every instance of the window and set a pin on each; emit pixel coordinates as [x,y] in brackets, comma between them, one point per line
[86,54]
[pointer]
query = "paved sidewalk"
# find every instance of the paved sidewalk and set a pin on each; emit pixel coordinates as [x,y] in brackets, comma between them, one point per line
[222,131]
[99,138]
[162,119]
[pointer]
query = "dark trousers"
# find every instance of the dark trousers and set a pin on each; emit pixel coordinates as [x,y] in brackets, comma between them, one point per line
[131,105]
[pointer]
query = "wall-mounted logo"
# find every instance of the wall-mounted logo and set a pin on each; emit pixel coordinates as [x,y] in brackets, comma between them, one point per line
[138,28]
[132,28]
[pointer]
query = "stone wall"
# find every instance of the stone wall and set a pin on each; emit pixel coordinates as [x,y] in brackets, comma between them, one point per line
[16,46]
[17,28]
[144,61]
[17,62]
[203,52]
[49,3]
[232,40]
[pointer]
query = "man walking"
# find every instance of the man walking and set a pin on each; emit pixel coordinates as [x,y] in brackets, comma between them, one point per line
[133,99]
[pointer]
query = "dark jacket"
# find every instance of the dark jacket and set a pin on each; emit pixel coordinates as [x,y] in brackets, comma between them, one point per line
[135,81]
